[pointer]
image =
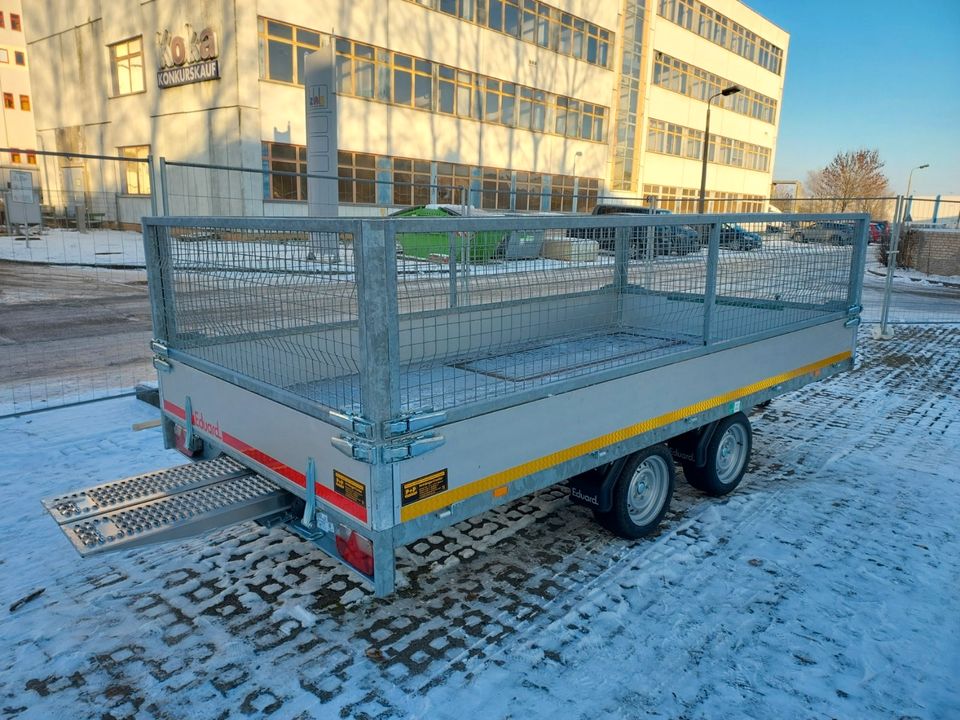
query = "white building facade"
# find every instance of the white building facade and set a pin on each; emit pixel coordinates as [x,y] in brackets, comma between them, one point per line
[16,121]
[506,104]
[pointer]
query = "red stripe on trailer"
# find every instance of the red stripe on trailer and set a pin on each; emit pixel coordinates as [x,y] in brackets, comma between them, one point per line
[174,410]
[271,463]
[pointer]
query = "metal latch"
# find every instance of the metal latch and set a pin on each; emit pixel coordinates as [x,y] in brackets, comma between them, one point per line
[854,309]
[352,423]
[162,365]
[415,423]
[159,348]
[353,449]
[852,322]
[413,448]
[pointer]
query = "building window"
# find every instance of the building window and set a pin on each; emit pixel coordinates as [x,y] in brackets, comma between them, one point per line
[536,23]
[31,158]
[719,29]
[681,141]
[2,23]
[19,58]
[358,176]
[411,181]
[495,188]
[529,190]
[291,161]
[283,49]
[126,65]
[680,77]
[15,157]
[561,193]
[453,183]
[4,55]
[15,22]
[25,102]
[8,101]
[135,176]
[373,73]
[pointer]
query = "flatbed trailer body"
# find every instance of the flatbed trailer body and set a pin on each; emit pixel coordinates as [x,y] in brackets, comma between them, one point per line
[390,397]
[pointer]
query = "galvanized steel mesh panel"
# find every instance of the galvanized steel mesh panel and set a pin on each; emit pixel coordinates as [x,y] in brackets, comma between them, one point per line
[771,275]
[271,302]
[485,309]
[487,313]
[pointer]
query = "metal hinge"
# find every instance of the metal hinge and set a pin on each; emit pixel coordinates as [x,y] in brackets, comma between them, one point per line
[852,322]
[366,452]
[854,309]
[412,448]
[352,423]
[159,348]
[162,365]
[415,423]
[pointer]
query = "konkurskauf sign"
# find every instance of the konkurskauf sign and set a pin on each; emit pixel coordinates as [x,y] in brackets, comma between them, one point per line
[206,70]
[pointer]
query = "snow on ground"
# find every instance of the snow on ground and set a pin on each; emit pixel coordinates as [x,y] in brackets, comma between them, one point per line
[826,586]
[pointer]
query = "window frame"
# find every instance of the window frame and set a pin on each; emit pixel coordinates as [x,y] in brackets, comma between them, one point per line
[135,162]
[118,61]
[275,181]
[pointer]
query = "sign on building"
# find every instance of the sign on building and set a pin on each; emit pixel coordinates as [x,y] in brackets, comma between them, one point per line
[188,58]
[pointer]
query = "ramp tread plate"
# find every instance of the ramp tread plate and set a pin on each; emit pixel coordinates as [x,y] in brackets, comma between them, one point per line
[141,488]
[176,516]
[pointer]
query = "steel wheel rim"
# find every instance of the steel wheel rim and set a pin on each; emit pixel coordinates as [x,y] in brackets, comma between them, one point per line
[648,490]
[731,453]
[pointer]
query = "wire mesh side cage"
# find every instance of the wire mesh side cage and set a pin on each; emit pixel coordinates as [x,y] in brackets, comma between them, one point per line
[383,318]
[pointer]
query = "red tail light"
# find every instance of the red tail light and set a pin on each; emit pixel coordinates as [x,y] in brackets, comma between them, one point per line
[355,549]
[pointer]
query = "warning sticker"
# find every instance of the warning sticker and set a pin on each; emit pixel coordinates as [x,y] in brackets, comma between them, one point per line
[423,487]
[350,488]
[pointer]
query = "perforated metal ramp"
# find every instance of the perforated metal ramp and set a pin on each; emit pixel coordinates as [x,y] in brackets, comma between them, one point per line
[165,505]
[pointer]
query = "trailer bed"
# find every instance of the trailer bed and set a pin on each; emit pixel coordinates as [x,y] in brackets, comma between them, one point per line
[459,382]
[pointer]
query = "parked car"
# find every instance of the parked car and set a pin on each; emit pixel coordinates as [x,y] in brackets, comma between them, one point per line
[875,234]
[736,237]
[884,227]
[834,233]
[668,239]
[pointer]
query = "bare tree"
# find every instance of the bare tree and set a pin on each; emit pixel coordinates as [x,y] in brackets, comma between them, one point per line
[852,182]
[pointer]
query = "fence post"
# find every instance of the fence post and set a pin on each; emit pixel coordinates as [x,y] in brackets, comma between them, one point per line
[163,186]
[153,188]
[710,288]
[884,332]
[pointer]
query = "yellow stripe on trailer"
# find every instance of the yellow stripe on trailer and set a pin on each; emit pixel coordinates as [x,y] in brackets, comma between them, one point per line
[491,482]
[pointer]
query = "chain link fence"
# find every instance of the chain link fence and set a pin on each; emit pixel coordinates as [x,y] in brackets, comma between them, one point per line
[75,316]
[74,313]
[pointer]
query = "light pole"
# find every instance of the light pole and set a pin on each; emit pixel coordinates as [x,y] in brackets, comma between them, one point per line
[576,185]
[909,201]
[910,179]
[733,89]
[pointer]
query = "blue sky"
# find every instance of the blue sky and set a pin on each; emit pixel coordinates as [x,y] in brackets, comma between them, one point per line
[882,74]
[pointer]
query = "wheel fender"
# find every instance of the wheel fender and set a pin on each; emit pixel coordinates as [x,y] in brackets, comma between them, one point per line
[691,447]
[594,489]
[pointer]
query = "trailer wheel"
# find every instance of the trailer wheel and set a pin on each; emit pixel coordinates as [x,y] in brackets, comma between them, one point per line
[726,459]
[642,494]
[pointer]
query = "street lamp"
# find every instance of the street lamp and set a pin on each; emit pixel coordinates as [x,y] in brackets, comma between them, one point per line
[910,180]
[732,90]
[909,183]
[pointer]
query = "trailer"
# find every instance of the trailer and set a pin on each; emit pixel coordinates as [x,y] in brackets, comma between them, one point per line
[364,399]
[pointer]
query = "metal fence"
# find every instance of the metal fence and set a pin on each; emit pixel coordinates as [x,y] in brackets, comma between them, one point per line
[74,312]
[465,312]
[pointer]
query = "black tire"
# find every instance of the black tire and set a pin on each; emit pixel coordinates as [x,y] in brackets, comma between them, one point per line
[728,454]
[642,494]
